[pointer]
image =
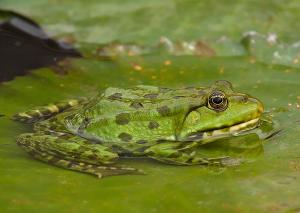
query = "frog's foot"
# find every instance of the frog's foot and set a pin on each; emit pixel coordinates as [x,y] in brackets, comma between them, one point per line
[44,112]
[74,153]
[175,153]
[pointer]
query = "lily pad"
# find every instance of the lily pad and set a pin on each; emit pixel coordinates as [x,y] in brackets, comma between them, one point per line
[30,185]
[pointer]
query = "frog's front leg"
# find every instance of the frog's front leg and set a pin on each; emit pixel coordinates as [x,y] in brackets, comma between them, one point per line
[72,152]
[179,153]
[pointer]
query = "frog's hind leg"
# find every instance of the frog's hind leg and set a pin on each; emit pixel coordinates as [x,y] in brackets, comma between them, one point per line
[44,112]
[74,153]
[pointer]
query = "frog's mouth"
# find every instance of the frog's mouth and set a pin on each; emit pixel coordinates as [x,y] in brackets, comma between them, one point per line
[225,132]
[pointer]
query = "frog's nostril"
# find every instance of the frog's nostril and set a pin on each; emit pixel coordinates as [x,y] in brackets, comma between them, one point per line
[245,98]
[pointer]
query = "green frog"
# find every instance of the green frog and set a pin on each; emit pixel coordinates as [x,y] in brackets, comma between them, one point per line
[168,125]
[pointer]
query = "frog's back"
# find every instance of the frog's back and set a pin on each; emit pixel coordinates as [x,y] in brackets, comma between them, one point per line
[138,114]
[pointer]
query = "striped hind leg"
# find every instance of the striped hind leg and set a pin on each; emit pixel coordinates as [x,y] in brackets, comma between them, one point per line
[74,153]
[44,112]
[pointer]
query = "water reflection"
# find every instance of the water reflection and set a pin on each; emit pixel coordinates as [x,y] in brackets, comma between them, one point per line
[241,147]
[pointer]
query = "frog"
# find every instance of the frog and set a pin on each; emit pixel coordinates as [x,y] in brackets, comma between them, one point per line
[91,135]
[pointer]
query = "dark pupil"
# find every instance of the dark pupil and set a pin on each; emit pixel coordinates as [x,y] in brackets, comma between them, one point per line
[217,100]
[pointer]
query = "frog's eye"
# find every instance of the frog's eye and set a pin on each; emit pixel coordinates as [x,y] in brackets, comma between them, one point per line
[217,101]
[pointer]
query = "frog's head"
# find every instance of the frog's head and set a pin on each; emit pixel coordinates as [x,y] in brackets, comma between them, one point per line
[225,112]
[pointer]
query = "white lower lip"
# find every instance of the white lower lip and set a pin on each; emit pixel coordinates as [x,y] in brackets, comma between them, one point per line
[236,128]
[233,130]
[244,125]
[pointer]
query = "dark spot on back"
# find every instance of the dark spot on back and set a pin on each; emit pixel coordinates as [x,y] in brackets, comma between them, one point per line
[122,118]
[151,95]
[141,142]
[164,110]
[115,96]
[136,105]
[125,137]
[153,125]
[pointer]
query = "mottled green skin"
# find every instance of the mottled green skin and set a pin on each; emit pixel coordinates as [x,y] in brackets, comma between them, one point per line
[161,123]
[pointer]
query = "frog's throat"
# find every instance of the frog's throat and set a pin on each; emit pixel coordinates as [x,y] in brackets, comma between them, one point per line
[223,132]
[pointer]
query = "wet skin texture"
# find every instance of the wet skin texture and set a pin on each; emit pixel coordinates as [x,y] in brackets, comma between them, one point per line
[90,135]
